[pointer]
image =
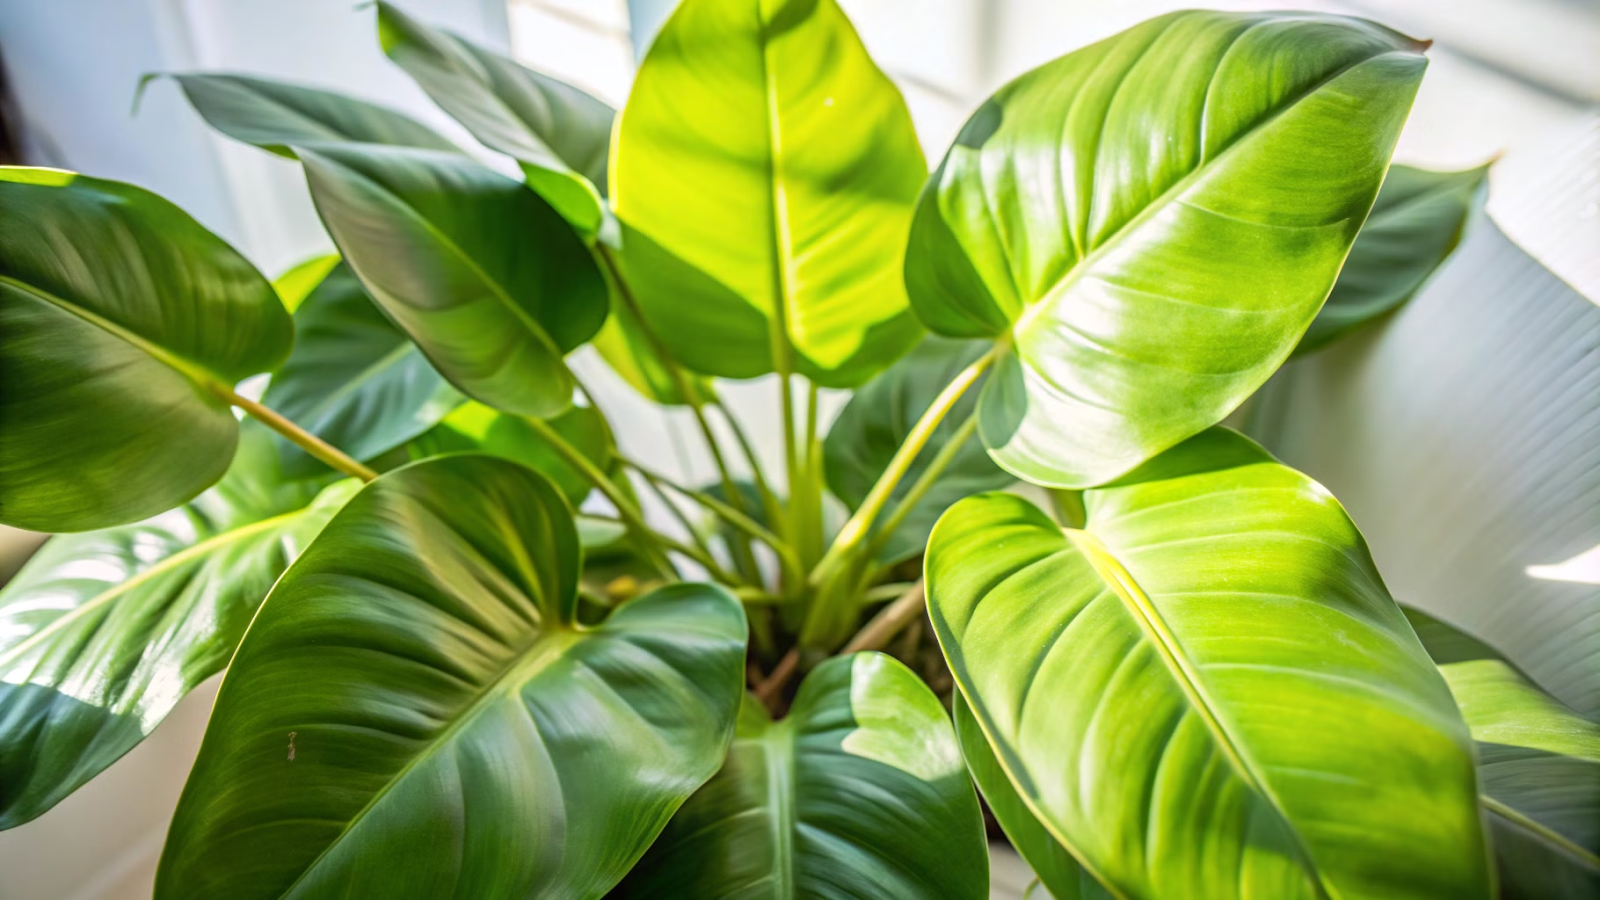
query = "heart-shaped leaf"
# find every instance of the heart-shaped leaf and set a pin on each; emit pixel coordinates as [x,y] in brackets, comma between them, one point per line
[560,135]
[1538,767]
[1152,222]
[275,115]
[415,712]
[101,634]
[488,280]
[1285,709]
[765,172]
[877,420]
[1415,224]
[122,322]
[858,792]
[1056,869]
[354,379]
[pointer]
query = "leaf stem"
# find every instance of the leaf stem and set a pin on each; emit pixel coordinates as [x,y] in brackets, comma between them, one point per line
[857,528]
[924,483]
[722,510]
[889,620]
[305,440]
[626,511]
[769,500]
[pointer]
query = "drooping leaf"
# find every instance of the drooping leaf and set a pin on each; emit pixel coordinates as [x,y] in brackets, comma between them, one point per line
[102,633]
[876,422]
[858,792]
[415,712]
[295,285]
[120,319]
[560,135]
[1152,222]
[476,428]
[354,379]
[1415,224]
[765,172]
[1062,875]
[275,115]
[1538,767]
[489,281]
[1284,708]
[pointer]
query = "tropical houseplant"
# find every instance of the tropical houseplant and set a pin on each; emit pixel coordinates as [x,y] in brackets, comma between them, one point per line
[1173,667]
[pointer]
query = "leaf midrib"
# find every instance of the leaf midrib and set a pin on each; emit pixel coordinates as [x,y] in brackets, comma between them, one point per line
[782,342]
[1540,831]
[1082,267]
[778,744]
[1183,671]
[547,647]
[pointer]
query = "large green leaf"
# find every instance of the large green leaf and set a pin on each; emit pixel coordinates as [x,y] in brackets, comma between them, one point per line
[101,634]
[877,420]
[1212,654]
[274,115]
[121,319]
[858,793]
[1055,868]
[488,280]
[415,712]
[476,428]
[560,135]
[1415,223]
[354,379]
[1152,222]
[765,172]
[1538,767]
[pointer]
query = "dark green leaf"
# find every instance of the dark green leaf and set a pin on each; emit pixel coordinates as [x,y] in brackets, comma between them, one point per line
[876,422]
[121,318]
[1415,224]
[479,429]
[1152,222]
[1056,869]
[101,634]
[1538,767]
[354,379]
[488,280]
[1215,648]
[559,134]
[859,792]
[765,173]
[414,711]
[274,115]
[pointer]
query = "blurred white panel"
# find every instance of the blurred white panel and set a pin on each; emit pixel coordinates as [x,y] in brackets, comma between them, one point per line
[940,42]
[580,52]
[1549,202]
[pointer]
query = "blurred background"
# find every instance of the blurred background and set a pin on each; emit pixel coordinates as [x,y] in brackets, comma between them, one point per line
[1463,434]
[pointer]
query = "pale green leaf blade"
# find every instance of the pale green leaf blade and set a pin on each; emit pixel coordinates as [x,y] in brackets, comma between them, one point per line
[1153,221]
[353,379]
[274,115]
[877,420]
[414,712]
[102,633]
[1415,225]
[1538,767]
[120,318]
[1062,875]
[1284,707]
[765,170]
[489,281]
[560,135]
[858,792]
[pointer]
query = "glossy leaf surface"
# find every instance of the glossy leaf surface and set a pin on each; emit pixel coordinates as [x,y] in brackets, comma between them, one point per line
[1415,224]
[488,280]
[476,428]
[354,379]
[118,309]
[858,793]
[865,436]
[1285,708]
[102,633]
[415,713]
[1055,868]
[765,172]
[274,115]
[1538,767]
[560,135]
[1153,221]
